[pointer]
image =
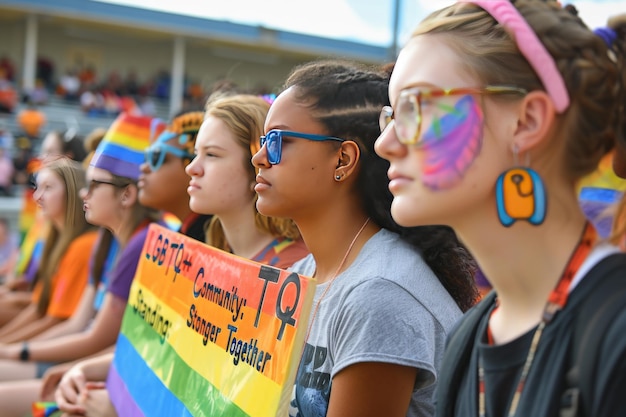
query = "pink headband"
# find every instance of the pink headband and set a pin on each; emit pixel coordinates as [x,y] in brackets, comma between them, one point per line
[505,13]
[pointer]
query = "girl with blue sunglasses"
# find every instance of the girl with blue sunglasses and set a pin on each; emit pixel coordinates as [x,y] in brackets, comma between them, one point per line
[383,304]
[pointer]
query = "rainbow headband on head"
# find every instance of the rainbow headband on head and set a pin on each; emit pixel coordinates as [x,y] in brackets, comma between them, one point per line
[505,13]
[121,150]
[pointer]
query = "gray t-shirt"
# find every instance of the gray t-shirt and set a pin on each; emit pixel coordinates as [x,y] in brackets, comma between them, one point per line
[388,306]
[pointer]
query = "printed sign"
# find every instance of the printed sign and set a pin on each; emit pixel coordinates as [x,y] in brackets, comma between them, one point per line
[207,333]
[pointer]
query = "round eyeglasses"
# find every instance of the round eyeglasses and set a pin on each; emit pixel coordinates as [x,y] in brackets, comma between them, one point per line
[407,115]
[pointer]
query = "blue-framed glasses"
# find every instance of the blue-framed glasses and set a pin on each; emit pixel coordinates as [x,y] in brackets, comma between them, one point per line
[274,141]
[155,154]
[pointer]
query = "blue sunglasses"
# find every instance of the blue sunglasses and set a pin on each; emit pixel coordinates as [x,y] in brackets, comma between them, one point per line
[274,141]
[155,154]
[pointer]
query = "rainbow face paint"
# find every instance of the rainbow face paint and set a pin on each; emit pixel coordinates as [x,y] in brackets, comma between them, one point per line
[451,142]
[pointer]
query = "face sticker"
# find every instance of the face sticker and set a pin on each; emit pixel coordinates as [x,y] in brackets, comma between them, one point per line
[452,141]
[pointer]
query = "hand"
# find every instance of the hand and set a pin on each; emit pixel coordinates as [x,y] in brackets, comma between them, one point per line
[69,390]
[51,379]
[96,401]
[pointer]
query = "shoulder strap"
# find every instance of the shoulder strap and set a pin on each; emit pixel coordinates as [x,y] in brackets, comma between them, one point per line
[458,353]
[594,318]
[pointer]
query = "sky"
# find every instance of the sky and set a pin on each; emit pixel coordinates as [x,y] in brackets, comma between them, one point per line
[366,21]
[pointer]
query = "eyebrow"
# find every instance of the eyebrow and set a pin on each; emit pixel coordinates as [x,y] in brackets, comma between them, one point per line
[208,147]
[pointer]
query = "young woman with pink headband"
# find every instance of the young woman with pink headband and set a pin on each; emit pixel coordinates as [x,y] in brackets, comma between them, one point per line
[497,109]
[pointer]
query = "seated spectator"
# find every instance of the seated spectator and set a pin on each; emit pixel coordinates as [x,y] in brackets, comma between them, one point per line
[45,71]
[69,86]
[67,143]
[7,66]
[8,95]
[165,162]
[8,248]
[39,94]
[110,200]
[31,222]
[87,76]
[92,102]
[23,153]
[31,120]
[147,107]
[112,102]
[7,141]
[131,83]
[231,127]
[63,270]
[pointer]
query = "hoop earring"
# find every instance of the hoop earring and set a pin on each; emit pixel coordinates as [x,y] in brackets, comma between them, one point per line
[520,195]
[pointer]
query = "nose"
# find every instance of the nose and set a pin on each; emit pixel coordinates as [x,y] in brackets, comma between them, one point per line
[387,144]
[193,167]
[144,168]
[83,193]
[37,194]
[259,159]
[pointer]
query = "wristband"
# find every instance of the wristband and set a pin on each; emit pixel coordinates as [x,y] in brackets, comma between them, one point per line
[24,353]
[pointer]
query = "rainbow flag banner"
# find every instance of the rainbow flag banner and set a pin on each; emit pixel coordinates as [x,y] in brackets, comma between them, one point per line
[207,333]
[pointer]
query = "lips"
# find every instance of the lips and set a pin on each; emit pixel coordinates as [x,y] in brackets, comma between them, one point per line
[261,180]
[261,184]
[193,186]
[395,175]
[397,180]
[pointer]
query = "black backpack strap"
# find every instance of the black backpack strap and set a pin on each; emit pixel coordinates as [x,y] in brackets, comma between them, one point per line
[458,353]
[593,320]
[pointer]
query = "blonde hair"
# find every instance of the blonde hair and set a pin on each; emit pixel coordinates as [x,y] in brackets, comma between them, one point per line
[244,114]
[57,241]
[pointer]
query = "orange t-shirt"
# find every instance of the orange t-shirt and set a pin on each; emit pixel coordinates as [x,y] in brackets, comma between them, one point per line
[71,277]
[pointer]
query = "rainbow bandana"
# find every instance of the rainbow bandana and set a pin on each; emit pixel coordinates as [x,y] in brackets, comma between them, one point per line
[121,149]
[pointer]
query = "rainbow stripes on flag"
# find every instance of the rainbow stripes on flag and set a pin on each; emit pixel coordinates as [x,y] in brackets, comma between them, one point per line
[207,333]
[44,409]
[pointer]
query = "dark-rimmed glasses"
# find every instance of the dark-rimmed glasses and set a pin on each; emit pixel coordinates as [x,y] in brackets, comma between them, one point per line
[93,184]
[407,115]
[274,141]
[154,155]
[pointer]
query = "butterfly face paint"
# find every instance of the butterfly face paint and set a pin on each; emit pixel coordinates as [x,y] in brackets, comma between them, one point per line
[451,141]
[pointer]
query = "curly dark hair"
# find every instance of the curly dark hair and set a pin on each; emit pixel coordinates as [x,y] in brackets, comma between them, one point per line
[347,99]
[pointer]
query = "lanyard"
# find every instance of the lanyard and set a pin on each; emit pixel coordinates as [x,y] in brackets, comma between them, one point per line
[556,301]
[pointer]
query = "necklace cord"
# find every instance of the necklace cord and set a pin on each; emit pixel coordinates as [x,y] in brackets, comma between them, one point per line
[556,301]
[332,279]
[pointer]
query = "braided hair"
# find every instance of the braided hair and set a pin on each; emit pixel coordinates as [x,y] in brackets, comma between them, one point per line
[346,98]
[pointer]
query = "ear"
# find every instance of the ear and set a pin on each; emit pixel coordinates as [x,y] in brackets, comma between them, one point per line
[536,120]
[129,196]
[349,154]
